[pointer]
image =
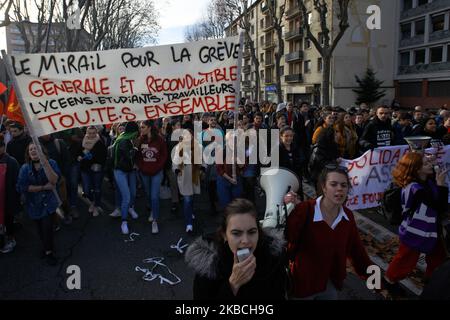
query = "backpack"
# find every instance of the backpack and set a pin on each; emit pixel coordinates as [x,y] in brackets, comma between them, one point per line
[391,204]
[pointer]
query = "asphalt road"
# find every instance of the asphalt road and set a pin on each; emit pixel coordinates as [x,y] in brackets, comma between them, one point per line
[107,262]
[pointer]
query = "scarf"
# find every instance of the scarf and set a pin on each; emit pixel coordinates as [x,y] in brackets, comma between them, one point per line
[123,136]
[88,144]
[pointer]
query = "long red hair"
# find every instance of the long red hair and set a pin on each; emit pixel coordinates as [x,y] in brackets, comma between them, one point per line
[407,168]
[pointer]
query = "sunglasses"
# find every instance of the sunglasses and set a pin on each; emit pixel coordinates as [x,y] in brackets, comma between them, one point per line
[332,166]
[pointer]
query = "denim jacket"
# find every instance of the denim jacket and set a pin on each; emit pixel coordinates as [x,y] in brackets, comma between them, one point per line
[37,204]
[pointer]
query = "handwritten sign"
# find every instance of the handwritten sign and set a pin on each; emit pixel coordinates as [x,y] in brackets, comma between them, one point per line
[371,174]
[65,90]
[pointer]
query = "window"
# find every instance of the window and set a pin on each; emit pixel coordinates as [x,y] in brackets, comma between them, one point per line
[438,88]
[437,23]
[420,27]
[282,71]
[419,56]
[404,58]
[448,53]
[307,67]
[261,74]
[319,65]
[309,17]
[307,43]
[421,2]
[407,4]
[405,30]
[261,40]
[410,89]
[261,23]
[252,14]
[261,58]
[436,54]
[252,28]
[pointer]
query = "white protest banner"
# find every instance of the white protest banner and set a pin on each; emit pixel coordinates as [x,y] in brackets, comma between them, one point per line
[66,90]
[371,174]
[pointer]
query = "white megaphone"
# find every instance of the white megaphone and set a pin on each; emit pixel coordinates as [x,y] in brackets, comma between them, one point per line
[276,182]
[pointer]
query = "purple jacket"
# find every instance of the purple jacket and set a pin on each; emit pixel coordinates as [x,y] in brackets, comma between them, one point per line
[421,205]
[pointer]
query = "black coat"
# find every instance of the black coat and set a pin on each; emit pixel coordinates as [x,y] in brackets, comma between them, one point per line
[99,154]
[377,134]
[17,146]
[12,197]
[212,261]
[291,160]
[325,152]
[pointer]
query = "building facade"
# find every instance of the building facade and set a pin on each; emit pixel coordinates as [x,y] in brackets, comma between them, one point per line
[301,65]
[422,73]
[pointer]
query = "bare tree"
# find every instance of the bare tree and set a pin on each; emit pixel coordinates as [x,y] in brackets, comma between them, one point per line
[210,27]
[104,24]
[7,4]
[229,11]
[276,14]
[326,45]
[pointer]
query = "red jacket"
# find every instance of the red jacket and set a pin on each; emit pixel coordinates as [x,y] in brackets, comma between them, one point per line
[151,156]
[318,253]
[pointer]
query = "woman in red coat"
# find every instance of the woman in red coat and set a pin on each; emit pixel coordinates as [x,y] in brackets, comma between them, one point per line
[321,235]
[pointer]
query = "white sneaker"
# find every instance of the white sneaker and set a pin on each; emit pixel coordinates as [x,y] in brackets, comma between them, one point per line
[91,208]
[155,227]
[116,213]
[133,213]
[95,212]
[150,218]
[193,216]
[189,228]
[124,227]
[8,247]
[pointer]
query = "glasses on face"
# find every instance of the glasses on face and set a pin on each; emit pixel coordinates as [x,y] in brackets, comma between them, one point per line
[333,166]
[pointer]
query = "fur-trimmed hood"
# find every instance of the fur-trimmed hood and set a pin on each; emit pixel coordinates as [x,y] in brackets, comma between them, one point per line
[203,255]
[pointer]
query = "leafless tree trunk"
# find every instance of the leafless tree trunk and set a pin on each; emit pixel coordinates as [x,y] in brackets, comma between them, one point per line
[230,10]
[325,50]
[277,20]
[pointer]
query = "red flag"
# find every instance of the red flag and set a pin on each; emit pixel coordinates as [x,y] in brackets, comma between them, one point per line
[2,88]
[13,111]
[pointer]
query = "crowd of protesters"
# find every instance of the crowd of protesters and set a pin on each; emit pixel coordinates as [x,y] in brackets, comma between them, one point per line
[133,155]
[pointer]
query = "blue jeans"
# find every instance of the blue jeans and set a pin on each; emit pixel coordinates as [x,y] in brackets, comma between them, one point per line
[228,191]
[188,209]
[72,184]
[152,185]
[126,183]
[92,185]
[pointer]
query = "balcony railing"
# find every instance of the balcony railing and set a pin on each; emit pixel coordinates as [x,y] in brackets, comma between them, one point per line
[298,77]
[293,34]
[419,39]
[439,35]
[269,62]
[268,26]
[246,83]
[292,12]
[269,81]
[269,44]
[422,10]
[424,68]
[246,53]
[246,69]
[293,56]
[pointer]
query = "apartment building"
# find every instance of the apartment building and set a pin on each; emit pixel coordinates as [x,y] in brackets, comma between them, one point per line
[422,73]
[301,65]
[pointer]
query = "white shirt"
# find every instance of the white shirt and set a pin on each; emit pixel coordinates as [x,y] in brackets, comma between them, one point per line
[318,216]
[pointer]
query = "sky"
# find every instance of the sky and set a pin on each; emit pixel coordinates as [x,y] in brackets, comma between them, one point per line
[175,15]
